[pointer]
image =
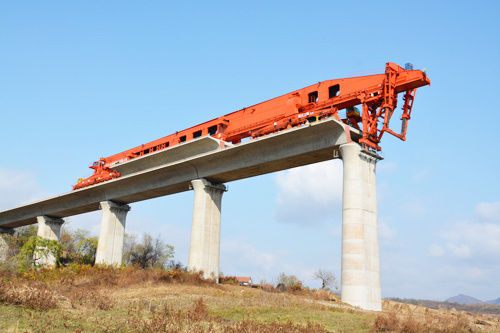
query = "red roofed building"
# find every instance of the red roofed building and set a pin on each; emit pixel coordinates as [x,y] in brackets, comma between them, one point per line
[242,280]
[265,287]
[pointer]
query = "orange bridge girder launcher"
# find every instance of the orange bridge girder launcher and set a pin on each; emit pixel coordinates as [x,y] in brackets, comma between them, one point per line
[378,95]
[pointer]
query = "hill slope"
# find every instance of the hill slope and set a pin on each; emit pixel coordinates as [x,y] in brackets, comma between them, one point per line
[494,301]
[464,299]
[129,299]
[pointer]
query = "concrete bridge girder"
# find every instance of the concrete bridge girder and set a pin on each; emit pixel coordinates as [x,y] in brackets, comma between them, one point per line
[287,149]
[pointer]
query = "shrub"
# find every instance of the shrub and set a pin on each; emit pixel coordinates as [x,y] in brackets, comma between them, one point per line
[37,252]
[386,323]
[36,298]
[228,280]
[291,282]
[87,250]
[182,276]
[198,312]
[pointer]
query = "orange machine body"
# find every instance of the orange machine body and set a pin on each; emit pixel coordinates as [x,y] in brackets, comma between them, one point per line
[101,174]
[377,94]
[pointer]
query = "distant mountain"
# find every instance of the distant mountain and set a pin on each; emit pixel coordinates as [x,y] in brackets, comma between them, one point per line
[495,301]
[464,299]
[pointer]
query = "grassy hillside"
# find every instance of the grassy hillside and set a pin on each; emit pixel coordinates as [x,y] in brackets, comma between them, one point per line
[106,299]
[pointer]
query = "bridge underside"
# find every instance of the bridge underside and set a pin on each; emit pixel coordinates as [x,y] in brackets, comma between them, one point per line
[172,170]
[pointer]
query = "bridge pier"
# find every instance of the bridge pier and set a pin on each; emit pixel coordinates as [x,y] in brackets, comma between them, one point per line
[49,228]
[360,281]
[110,245]
[4,247]
[204,249]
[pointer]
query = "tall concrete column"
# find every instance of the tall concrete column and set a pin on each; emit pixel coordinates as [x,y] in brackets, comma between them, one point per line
[360,281]
[49,228]
[4,247]
[110,245]
[204,249]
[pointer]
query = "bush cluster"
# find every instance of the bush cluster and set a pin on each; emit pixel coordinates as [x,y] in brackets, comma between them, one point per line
[80,284]
[36,297]
[290,283]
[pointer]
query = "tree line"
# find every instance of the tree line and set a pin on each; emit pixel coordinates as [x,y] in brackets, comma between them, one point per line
[25,250]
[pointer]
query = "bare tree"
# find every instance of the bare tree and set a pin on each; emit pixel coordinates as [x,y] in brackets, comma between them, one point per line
[173,265]
[129,245]
[327,278]
[151,252]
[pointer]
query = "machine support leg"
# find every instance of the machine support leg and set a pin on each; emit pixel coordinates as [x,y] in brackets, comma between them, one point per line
[110,245]
[204,249]
[49,228]
[360,281]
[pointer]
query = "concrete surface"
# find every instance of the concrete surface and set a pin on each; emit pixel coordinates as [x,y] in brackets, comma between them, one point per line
[49,228]
[110,245]
[4,233]
[360,282]
[204,249]
[180,152]
[216,161]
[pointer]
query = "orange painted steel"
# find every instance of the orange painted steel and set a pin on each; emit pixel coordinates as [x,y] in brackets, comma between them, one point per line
[101,174]
[377,94]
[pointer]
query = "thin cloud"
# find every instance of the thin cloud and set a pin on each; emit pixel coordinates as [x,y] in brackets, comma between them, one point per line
[435,251]
[461,251]
[385,232]
[238,256]
[488,211]
[387,166]
[388,236]
[420,175]
[461,257]
[470,239]
[18,187]
[413,209]
[310,194]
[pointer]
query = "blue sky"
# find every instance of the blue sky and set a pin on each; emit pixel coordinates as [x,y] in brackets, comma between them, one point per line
[85,79]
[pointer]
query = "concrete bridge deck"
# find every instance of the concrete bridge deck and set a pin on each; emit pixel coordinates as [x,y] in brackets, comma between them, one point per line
[171,170]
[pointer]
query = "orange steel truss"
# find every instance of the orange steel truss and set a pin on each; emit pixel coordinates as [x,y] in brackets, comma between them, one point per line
[377,94]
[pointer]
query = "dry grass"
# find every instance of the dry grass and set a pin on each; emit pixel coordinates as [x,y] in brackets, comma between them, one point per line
[37,297]
[400,317]
[107,299]
[432,323]
[89,297]
[489,309]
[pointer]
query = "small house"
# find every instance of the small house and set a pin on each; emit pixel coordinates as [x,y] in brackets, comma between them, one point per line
[242,280]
